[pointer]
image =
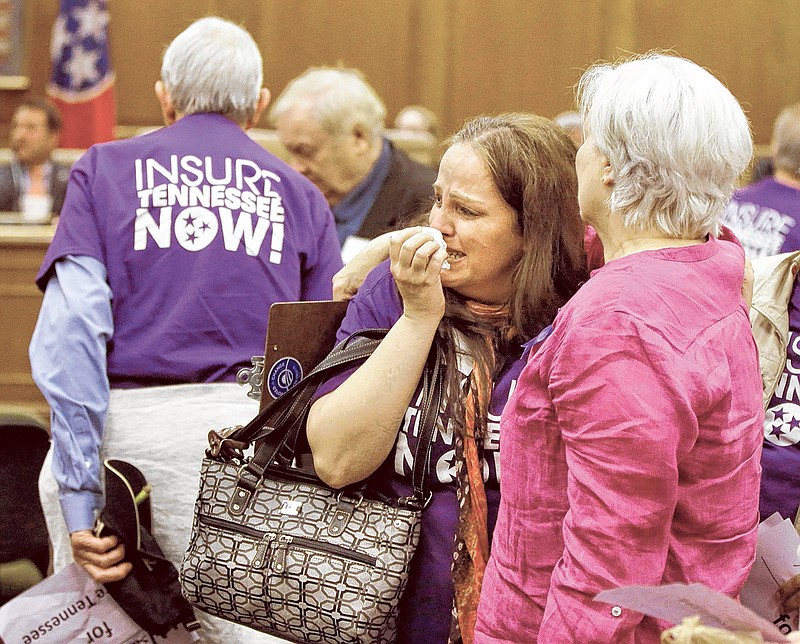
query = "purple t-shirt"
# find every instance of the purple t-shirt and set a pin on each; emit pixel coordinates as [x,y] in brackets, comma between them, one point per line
[764,217]
[780,459]
[427,603]
[200,230]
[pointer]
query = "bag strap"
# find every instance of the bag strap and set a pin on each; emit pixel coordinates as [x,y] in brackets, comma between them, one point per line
[279,425]
[273,418]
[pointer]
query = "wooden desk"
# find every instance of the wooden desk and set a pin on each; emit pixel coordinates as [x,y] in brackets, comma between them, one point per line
[22,249]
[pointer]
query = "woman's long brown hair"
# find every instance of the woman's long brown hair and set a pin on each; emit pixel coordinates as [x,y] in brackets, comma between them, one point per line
[532,163]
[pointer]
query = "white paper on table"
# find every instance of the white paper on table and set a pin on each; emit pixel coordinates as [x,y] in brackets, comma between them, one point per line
[71,607]
[776,562]
[675,602]
[352,246]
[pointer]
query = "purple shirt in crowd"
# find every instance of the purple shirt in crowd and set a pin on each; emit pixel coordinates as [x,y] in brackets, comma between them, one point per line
[200,230]
[427,603]
[764,217]
[780,459]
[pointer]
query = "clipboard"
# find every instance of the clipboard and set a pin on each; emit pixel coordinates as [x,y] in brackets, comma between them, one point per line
[299,336]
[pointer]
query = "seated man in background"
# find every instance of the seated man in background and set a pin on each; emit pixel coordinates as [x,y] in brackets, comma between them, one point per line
[170,249]
[331,122]
[765,215]
[35,128]
[417,119]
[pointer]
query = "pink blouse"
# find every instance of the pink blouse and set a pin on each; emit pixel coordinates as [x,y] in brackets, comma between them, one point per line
[631,451]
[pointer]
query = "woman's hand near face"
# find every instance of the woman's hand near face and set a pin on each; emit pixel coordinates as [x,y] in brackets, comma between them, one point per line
[352,429]
[416,264]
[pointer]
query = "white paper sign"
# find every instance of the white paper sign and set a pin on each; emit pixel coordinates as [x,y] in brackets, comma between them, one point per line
[71,607]
[36,209]
[776,563]
[675,602]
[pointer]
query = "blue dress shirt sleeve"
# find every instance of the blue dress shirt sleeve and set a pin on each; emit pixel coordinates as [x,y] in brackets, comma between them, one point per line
[68,363]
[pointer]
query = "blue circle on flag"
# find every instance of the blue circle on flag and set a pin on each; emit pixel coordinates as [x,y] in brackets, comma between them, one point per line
[283,375]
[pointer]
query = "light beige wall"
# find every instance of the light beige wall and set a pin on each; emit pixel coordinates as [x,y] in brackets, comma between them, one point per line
[459,57]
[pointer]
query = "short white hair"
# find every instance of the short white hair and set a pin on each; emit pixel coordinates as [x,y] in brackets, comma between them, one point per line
[340,100]
[213,66]
[675,137]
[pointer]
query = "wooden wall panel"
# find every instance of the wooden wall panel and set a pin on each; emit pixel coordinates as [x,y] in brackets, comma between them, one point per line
[371,36]
[22,250]
[510,55]
[459,57]
[751,47]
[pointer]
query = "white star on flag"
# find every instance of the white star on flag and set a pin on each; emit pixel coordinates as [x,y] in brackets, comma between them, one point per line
[61,37]
[92,21]
[83,65]
[81,79]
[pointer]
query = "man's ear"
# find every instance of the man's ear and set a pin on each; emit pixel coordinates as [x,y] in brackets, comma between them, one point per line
[165,101]
[363,139]
[263,102]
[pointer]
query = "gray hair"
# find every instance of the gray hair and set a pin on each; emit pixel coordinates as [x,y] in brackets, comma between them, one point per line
[675,137]
[340,100]
[786,140]
[213,66]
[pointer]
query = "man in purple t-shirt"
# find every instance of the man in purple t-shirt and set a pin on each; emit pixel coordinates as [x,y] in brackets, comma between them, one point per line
[765,215]
[170,249]
[775,316]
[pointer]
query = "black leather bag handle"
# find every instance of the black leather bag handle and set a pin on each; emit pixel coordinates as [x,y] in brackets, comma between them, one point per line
[277,427]
[275,416]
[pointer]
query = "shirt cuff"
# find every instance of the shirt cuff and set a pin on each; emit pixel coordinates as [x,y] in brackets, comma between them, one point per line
[78,509]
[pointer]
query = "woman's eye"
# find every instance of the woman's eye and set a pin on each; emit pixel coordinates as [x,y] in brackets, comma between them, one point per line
[437,199]
[467,212]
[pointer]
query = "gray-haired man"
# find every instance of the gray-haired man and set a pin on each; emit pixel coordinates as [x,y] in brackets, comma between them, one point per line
[331,122]
[170,249]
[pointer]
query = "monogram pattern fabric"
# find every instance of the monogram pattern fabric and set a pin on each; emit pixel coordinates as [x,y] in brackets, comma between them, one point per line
[302,562]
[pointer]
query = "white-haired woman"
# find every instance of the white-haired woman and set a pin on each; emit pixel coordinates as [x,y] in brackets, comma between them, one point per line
[631,444]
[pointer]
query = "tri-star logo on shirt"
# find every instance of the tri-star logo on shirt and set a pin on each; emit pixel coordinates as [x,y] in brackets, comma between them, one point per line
[782,420]
[196,200]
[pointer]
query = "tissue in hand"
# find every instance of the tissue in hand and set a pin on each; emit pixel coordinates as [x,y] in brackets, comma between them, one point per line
[437,237]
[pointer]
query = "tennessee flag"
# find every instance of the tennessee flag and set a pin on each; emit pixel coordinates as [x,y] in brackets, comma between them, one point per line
[82,82]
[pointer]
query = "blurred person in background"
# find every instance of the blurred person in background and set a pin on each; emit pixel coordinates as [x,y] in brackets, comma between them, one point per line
[332,124]
[35,128]
[572,125]
[417,120]
[765,215]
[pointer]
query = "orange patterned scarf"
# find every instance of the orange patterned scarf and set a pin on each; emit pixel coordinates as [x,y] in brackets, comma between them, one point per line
[471,551]
[472,540]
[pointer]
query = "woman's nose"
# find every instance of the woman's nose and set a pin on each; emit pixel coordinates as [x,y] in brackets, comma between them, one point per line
[440,220]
